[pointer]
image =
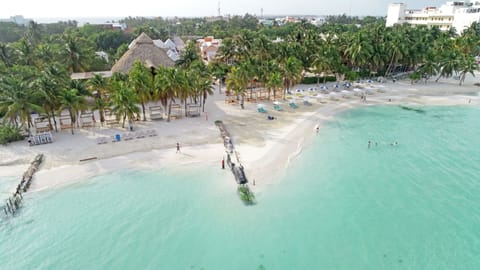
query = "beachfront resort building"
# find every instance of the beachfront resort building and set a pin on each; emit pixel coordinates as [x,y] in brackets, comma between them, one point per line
[459,15]
[208,48]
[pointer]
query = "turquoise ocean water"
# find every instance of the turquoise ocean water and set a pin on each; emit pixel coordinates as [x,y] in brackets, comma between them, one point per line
[341,205]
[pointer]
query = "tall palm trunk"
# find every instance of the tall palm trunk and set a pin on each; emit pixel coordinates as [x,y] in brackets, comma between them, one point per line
[50,115]
[169,110]
[185,106]
[102,115]
[390,65]
[204,100]
[72,119]
[143,111]
[124,118]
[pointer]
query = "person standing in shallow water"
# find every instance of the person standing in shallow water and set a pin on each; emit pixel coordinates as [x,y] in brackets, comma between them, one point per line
[178,147]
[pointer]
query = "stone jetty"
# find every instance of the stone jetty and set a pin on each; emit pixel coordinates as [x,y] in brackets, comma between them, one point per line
[14,202]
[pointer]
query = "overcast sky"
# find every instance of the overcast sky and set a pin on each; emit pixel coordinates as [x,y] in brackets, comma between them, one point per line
[189,8]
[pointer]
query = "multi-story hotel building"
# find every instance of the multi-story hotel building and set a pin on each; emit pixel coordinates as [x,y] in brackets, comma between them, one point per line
[459,15]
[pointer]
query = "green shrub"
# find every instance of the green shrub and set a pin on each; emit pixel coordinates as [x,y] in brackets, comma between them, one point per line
[246,195]
[415,77]
[9,133]
[352,76]
[313,80]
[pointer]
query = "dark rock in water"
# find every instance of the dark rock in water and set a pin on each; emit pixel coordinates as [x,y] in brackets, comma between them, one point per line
[412,109]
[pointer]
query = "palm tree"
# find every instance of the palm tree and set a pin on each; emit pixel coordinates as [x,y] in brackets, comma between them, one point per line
[6,54]
[235,82]
[46,53]
[275,82]
[188,56]
[18,101]
[321,63]
[238,80]
[77,55]
[201,85]
[25,50]
[468,64]
[34,32]
[168,83]
[49,83]
[449,64]
[140,78]
[71,100]
[218,70]
[429,66]
[291,73]
[98,87]
[124,101]
[228,52]
[359,49]
[396,47]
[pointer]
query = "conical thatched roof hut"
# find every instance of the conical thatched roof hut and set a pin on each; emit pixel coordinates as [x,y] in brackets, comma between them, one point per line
[143,50]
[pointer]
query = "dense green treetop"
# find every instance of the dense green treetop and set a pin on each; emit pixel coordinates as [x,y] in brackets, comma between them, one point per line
[35,61]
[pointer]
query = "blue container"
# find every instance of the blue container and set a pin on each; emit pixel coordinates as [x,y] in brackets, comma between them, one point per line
[117,137]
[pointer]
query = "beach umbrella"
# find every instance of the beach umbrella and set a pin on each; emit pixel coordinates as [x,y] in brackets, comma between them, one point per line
[345,93]
[333,95]
[357,91]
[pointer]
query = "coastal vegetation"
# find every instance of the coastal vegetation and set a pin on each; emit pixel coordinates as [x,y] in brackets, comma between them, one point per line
[246,195]
[9,133]
[36,62]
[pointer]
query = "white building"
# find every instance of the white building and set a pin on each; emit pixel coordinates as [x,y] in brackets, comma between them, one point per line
[459,15]
[17,19]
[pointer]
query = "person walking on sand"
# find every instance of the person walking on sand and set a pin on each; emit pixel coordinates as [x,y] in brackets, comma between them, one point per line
[178,148]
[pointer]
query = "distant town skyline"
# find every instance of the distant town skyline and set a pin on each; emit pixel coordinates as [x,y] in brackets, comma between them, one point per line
[37,9]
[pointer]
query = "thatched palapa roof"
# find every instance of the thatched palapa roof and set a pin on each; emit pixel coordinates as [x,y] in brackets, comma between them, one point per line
[145,51]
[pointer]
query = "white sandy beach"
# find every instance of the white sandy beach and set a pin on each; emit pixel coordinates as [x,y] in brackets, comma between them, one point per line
[260,143]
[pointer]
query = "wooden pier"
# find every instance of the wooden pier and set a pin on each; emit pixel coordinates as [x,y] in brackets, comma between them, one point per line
[14,202]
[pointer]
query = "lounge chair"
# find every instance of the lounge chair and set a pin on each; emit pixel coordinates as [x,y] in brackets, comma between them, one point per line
[41,138]
[293,105]
[262,110]
[102,140]
[128,136]
[307,103]
[151,133]
[140,134]
[277,107]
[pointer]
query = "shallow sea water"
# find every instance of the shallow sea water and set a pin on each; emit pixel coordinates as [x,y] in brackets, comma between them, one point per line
[341,205]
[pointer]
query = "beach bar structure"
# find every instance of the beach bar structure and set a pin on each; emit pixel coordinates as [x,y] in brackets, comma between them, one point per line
[156,112]
[144,50]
